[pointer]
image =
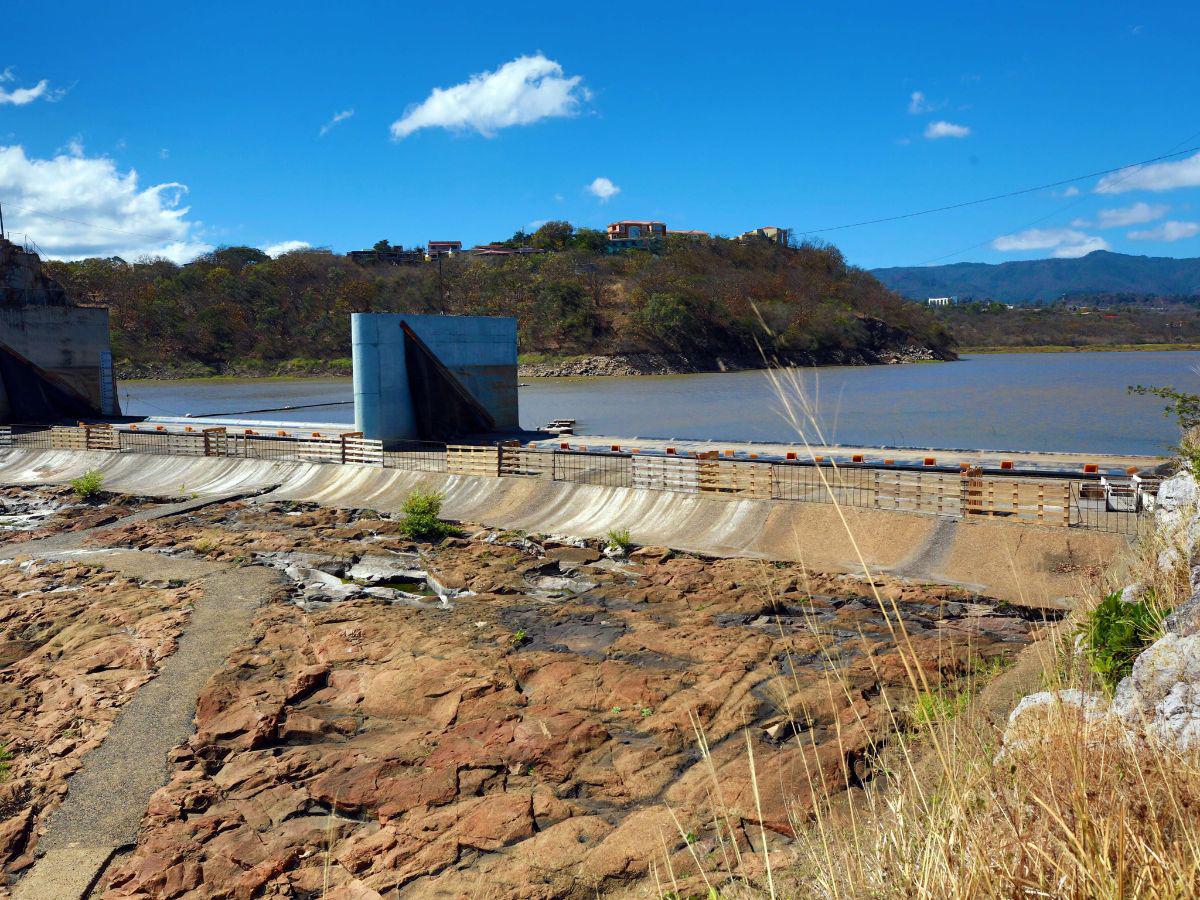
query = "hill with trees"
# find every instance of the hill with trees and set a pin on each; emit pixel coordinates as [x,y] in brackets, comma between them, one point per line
[698,305]
[1045,280]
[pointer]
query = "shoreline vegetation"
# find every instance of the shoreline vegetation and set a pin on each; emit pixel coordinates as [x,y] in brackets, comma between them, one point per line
[539,365]
[690,305]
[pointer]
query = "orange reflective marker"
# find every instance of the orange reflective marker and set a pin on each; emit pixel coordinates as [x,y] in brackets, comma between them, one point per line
[671,451]
[930,461]
[1090,468]
[1006,464]
[857,457]
[790,456]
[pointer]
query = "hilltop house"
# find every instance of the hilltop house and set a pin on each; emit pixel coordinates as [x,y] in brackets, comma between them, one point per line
[635,235]
[770,232]
[442,248]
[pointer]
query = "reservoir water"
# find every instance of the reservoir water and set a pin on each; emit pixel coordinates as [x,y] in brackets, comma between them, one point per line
[1017,401]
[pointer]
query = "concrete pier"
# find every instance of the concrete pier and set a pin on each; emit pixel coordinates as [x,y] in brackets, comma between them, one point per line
[475,356]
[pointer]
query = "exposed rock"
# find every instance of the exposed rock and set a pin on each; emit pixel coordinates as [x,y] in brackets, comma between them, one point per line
[527,736]
[374,568]
[1162,694]
[1046,713]
[75,644]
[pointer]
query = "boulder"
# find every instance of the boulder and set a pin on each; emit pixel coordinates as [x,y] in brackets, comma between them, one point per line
[1041,714]
[1162,695]
[376,568]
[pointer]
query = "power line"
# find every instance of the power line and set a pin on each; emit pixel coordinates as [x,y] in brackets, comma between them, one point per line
[976,202]
[1061,209]
[46,215]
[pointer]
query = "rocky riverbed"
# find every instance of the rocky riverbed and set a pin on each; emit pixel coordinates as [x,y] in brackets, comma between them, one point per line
[76,643]
[502,715]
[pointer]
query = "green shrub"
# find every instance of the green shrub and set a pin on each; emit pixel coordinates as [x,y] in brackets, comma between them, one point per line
[619,537]
[937,705]
[1115,632]
[88,485]
[421,520]
[5,763]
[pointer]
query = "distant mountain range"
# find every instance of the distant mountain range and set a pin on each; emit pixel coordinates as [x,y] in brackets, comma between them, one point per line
[1045,280]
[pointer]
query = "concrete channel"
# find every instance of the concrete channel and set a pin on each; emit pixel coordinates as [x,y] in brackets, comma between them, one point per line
[1027,563]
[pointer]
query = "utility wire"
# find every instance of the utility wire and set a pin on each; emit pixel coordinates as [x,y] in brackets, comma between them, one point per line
[824,230]
[976,202]
[46,215]
[1050,215]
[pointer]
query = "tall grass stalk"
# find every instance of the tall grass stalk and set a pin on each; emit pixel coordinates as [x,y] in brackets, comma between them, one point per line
[1082,811]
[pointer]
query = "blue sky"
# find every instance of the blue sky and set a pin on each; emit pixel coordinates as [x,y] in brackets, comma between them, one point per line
[183,127]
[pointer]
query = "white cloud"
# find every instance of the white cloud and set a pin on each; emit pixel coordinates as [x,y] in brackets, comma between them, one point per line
[1072,191]
[273,250]
[604,189]
[518,93]
[1124,215]
[1167,231]
[1164,176]
[918,103]
[1083,248]
[74,206]
[21,96]
[1065,242]
[935,130]
[337,117]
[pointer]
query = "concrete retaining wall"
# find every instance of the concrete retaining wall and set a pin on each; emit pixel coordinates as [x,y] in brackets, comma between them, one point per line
[1021,563]
[65,340]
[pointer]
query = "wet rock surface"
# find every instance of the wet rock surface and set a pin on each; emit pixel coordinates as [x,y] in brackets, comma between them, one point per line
[30,513]
[76,643]
[530,727]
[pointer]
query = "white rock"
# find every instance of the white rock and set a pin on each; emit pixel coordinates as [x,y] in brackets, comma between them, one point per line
[1025,722]
[1163,692]
[375,568]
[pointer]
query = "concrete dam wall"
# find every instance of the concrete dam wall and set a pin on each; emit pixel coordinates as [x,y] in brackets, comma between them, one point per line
[1019,563]
[55,357]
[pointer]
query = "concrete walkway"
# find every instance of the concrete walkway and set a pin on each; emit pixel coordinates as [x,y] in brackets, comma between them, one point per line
[107,797]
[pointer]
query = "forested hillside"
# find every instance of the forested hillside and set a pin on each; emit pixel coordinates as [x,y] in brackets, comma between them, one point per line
[700,304]
[1045,280]
[995,326]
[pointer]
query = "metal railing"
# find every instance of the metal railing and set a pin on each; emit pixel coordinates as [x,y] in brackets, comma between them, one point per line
[1097,503]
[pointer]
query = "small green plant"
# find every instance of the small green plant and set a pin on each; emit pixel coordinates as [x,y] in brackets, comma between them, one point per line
[938,705]
[619,538]
[89,485]
[5,763]
[519,637]
[421,520]
[1115,632]
[617,710]
[646,711]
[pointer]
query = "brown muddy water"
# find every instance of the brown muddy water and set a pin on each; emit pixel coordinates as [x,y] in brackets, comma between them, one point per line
[1017,401]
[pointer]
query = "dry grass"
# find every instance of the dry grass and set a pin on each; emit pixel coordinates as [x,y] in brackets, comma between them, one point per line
[1081,811]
